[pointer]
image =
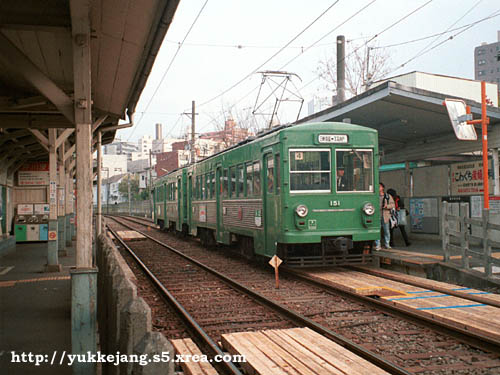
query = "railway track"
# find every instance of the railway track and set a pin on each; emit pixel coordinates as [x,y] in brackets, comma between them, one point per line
[220,305]
[416,348]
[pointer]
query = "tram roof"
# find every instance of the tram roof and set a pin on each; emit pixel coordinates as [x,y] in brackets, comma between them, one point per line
[412,123]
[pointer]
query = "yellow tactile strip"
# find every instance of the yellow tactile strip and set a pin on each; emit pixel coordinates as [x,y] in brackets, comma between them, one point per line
[14,282]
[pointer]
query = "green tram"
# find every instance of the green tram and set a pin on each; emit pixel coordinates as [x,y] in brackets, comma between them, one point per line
[307,193]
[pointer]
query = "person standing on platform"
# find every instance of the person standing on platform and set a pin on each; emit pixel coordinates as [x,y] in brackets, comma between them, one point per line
[386,204]
[401,213]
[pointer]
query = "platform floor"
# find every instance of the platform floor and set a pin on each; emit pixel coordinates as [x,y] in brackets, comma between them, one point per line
[466,314]
[35,309]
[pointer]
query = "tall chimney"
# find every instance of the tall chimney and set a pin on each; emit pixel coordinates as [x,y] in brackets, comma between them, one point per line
[158,132]
[340,68]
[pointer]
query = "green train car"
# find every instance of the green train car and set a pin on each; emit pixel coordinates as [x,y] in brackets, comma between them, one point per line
[307,193]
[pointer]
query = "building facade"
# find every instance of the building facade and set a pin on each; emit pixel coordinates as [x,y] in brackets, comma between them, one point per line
[487,62]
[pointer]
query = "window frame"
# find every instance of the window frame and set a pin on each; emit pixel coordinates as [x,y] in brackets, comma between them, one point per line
[371,150]
[290,172]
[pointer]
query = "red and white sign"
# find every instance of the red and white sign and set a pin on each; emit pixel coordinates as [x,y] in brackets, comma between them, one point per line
[52,235]
[203,213]
[33,174]
[25,209]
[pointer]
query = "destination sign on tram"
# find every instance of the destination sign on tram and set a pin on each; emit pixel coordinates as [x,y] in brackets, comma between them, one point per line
[333,138]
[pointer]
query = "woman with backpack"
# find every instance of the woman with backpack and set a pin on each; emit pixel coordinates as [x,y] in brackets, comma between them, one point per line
[400,213]
[386,205]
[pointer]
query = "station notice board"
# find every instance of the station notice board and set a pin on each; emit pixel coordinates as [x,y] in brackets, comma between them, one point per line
[424,215]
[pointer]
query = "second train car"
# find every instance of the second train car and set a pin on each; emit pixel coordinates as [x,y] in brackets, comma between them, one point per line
[307,193]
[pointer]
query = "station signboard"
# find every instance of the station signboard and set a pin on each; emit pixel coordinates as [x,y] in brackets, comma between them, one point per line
[467,178]
[33,174]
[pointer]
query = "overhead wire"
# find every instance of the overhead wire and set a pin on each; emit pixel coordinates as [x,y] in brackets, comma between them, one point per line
[272,56]
[437,37]
[169,66]
[315,44]
[376,36]
[423,52]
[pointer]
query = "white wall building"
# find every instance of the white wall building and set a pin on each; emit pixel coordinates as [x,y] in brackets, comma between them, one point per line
[458,87]
[164,144]
[109,190]
[113,165]
[145,144]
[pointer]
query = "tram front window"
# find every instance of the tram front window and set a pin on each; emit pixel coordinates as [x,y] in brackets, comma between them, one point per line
[354,170]
[309,170]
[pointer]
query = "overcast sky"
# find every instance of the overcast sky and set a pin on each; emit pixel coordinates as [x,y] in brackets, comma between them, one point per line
[232,38]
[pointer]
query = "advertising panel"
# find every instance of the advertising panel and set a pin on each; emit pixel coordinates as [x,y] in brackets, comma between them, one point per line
[467,178]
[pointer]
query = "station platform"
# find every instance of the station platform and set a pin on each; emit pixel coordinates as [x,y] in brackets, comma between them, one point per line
[473,316]
[35,310]
[424,258]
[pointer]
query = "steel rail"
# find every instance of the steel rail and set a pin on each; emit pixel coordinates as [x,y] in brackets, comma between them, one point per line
[461,334]
[297,318]
[485,343]
[202,335]
[455,293]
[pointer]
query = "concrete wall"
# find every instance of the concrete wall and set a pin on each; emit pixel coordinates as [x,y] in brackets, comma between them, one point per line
[427,181]
[124,318]
[431,181]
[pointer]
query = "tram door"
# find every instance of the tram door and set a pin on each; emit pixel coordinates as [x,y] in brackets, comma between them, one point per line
[164,209]
[270,203]
[218,198]
[189,202]
[180,203]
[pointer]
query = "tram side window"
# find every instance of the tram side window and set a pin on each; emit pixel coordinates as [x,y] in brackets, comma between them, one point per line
[270,173]
[207,186]
[249,180]
[197,188]
[204,187]
[232,182]
[224,184]
[240,181]
[278,176]
[212,185]
[256,178]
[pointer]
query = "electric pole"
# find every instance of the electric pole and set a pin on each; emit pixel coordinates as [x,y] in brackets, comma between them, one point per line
[193,116]
[129,200]
[150,185]
[340,68]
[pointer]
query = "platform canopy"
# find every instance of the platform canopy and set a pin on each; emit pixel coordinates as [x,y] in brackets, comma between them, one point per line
[36,67]
[413,124]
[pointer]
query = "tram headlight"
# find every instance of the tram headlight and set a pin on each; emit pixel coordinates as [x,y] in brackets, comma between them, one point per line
[369,209]
[301,210]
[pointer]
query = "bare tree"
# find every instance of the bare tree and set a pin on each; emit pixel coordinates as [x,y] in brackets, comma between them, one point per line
[363,66]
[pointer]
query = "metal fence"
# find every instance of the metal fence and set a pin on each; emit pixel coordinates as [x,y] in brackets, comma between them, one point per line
[137,208]
[466,231]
